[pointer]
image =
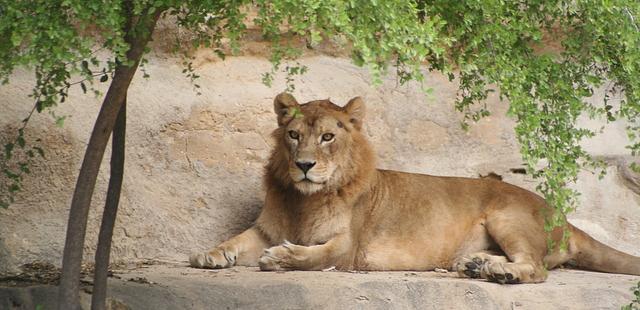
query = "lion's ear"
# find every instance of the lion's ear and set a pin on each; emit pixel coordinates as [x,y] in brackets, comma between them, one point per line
[355,108]
[284,105]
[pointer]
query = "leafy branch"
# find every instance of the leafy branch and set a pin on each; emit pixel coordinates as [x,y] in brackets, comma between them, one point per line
[635,303]
[43,99]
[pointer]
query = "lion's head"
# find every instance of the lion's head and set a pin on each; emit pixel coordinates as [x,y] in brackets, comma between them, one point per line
[319,145]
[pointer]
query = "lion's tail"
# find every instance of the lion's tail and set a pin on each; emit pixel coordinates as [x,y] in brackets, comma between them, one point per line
[590,254]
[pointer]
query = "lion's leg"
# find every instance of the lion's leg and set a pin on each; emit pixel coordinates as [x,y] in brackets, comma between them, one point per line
[473,252]
[296,257]
[522,240]
[243,249]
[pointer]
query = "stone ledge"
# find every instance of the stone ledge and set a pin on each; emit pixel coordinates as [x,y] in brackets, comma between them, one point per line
[179,287]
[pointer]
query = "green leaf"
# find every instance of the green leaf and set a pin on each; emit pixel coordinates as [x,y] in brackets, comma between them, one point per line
[16,39]
[297,113]
[39,106]
[60,121]
[40,151]
[220,54]
[8,150]
[10,174]
[14,188]
[85,67]
[24,167]
[21,142]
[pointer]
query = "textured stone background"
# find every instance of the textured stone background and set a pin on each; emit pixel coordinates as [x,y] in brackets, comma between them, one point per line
[194,163]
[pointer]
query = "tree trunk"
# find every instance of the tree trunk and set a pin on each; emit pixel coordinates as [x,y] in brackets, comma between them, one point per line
[138,37]
[103,250]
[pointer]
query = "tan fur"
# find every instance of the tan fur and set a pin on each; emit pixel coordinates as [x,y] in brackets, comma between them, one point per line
[350,215]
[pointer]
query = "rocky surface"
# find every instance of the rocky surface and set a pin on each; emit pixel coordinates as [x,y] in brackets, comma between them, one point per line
[179,287]
[194,163]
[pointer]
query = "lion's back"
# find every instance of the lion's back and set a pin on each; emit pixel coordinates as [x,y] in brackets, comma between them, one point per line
[438,196]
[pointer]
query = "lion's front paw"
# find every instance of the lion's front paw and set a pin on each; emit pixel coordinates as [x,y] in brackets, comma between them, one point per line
[216,258]
[287,256]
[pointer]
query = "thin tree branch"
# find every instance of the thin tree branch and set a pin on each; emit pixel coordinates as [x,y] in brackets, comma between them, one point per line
[103,251]
[633,20]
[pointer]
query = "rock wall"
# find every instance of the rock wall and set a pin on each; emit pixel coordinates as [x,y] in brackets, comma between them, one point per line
[194,163]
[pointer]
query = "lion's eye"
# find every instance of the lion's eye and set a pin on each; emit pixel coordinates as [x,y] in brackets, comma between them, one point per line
[327,137]
[293,134]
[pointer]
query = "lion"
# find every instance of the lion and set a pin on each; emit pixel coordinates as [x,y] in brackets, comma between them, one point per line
[328,206]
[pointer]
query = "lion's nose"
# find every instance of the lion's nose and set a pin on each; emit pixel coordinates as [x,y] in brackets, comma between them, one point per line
[305,165]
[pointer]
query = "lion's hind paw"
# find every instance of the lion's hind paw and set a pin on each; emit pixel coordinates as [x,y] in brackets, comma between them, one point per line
[503,273]
[469,267]
[472,265]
